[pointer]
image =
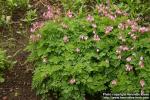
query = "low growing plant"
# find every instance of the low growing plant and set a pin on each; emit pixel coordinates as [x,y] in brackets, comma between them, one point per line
[104,51]
[3,64]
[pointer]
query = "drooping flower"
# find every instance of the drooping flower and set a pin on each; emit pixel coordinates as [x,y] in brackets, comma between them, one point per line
[77,50]
[142,83]
[143,29]
[134,28]
[123,48]
[121,26]
[119,12]
[112,17]
[122,38]
[69,14]
[128,67]
[96,37]
[83,37]
[36,26]
[108,29]
[90,18]
[129,59]
[49,13]
[94,25]
[65,39]
[119,56]
[72,81]
[114,82]
[141,64]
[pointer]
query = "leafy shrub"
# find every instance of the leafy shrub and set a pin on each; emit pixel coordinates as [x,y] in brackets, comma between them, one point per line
[3,64]
[102,52]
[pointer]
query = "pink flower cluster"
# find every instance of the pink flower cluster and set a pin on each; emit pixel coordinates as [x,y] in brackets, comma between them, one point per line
[108,29]
[65,39]
[142,83]
[72,81]
[90,18]
[121,38]
[121,49]
[143,29]
[132,35]
[103,10]
[36,26]
[69,14]
[83,37]
[141,62]
[96,37]
[114,82]
[129,67]
[78,50]
[133,25]
[49,13]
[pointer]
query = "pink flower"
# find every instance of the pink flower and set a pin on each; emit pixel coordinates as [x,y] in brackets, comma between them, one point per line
[94,25]
[121,26]
[122,38]
[77,50]
[96,37]
[119,57]
[118,51]
[129,33]
[128,59]
[143,29]
[113,82]
[111,17]
[124,48]
[49,13]
[141,64]
[128,67]
[72,81]
[108,29]
[36,26]
[66,39]
[69,14]
[134,28]
[142,83]
[90,18]
[119,12]
[82,37]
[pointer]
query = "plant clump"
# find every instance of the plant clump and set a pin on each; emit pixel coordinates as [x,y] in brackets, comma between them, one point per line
[104,51]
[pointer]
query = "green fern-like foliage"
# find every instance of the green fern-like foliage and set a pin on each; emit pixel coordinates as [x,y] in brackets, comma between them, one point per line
[3,64]
[74,57]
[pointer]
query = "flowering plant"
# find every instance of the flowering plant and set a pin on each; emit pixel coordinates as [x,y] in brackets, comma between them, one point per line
[100,52]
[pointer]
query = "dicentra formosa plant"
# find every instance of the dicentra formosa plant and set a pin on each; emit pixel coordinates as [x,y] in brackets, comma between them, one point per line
[101,51]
